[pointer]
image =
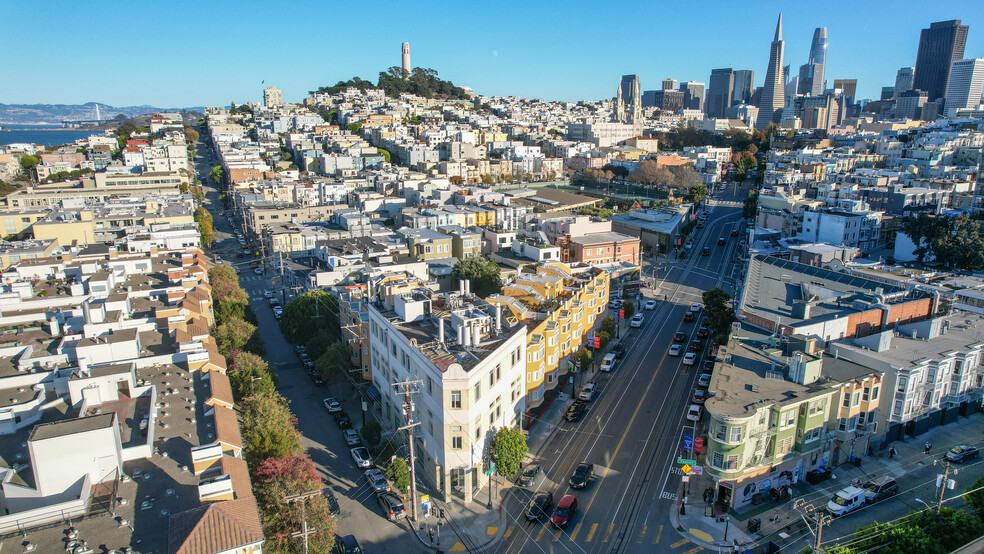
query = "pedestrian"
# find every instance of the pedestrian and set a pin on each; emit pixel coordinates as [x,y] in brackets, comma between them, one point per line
[929,446]
[891,452]
[430,531]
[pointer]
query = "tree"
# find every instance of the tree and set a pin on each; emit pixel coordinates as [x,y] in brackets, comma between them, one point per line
[629,309]
[608,325]
[276,479]
[750,206]
[28,161]
[267,428]
[233,335]
[952,242]
[486,179]
[385,154]
[298,322]
[398,474]
[372,433]
[719,314]
[354,128]
[191,135]
[508,449]
[975,500]
[216,174]
[484,275]
[685,176]
[583,357]
[455,180]
[334,361]
[249,374]
[697,193]
[205,230]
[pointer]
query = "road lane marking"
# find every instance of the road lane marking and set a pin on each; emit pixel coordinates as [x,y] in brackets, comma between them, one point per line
[512,528]
[659,533]
[694,550]
[557,535]
[491,531]
[679,543]
[608,534]
[540,534]
[642,535]
[458,547]
[574,533]
[591,532]
[701,534]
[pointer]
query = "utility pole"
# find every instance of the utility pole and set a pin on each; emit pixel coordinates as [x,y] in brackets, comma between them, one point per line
[811,514]
[305,530]
[408,388]
[943,482]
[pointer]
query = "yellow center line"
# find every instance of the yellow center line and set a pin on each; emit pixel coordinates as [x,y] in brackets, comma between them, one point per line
[557,535]
[608,534]
[540,534]
[643,534]
[694,550]
[591,532]
[679,543]
[510,530]
[574,533]
[659,533]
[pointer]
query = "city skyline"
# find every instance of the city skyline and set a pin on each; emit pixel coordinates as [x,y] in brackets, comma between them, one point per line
[212,64]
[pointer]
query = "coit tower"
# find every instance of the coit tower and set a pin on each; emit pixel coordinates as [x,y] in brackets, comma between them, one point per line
[406,60]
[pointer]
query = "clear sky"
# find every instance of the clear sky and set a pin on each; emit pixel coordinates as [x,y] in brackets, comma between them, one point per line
[179,53]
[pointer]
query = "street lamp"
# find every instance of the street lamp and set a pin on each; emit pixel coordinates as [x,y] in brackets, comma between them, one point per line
[252,380]
[921,501]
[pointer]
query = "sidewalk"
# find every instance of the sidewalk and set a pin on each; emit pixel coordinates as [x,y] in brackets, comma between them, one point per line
[780,517]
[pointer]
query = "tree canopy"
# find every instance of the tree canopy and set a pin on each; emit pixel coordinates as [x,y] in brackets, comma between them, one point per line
[280,477]
[484,275]
[719,314]
[267,428]
[508,449]
[308,314]
[422,82]
[398,473]
[951,242]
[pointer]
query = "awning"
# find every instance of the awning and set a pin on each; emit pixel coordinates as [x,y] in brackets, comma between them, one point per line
[373,393]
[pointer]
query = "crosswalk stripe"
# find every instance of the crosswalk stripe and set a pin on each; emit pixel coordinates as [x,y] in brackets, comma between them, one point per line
[659,533]
[608,534]
[574,533]
[694,550]
[557,535]
[510,530]
[679,543]
[643,534]
[540,534]
[591,532]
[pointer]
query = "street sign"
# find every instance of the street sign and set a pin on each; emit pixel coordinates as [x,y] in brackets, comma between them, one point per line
[688,443]
[571,379]
[491,469]
[686,478]
[425,505]
[621,313]
[696,470]
[685,469]
[699,444]
[597,341]
[685,461]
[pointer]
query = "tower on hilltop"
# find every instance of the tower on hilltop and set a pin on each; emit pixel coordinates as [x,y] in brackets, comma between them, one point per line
[406,60]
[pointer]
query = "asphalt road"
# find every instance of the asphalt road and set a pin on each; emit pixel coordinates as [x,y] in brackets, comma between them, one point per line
[633,431]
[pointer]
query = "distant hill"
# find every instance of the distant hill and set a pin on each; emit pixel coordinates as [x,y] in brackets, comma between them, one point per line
[40,114]
[422,82]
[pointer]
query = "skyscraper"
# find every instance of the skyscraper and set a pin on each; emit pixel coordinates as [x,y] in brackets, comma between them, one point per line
[939,46]
[966,83]
[693,95]
[812,73]
[406,60]
[903,80]
[848,86]
[720,88]
[744,85]
[669,84]
[773,97]
[628,101]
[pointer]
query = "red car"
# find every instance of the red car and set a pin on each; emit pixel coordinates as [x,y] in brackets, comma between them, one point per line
[564,511]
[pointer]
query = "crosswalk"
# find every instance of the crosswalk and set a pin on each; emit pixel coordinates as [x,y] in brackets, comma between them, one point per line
[603,533]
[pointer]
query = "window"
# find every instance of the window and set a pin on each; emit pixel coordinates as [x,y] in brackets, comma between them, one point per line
[478,391]
[812,435]
[874,393]
[784,446]
[865,394]
[847,401]
[478,432]
[735,434]
[456,443]
[816,406]
[719,432]
[732,462]
[455,399]
[718,460]
[857,399]
[842,424]
[787,418]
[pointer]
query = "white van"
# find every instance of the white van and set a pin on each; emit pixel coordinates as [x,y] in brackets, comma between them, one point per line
[845,501]
[608,362]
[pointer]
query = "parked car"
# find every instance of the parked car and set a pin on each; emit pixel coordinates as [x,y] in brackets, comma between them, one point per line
[708,366]
[347,545]
[565,511]
[690,358]
[961,453]
[705,380]
[651,305]
[588,392]
[880,488]
[680,336]
[698,397]
[342,420]
[846,501]
[675,349]
[615,304]
[608,362]
[377,480]
[693,413]
[392,506]
[267,294]
[529,474]
[576,411]
[636,321]
[332,405]
[695,308]
[361,456]
[618,349]
[582,474]
[539,506]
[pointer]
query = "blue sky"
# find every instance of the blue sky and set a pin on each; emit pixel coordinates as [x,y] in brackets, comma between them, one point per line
[180,53]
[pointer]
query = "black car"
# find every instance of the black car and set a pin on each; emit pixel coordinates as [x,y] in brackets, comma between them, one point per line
[581,476]
[539,506]
[702,332]
[705,251]
[680,336]
[332,501]
[618,350]
[721,241]
[688,317]
[347,545]
[576,411]
[529,474]
[708,366]
[343,420]
[694,345]
[961,453]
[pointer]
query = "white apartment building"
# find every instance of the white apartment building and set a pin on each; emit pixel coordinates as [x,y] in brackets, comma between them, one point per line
[965,85]
[470,365]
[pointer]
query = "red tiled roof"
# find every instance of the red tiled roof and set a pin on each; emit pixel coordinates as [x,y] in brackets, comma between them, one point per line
[216,527]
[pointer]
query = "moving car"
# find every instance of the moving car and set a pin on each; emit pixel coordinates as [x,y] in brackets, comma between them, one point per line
[361,456]
[694,346]
[528,475]
[576,411]
[608,362]
[588,392]
[846,501]
[392,506]
[636,321]
[675,349]
[332,405]
[722,241]
[351,437]
[961,453]
[703,332]
[565,511]
[880,488]
[705,251]
[688,317]
[680,336]
[377,480]
[539,505]
[651,305]
[618,349]
[690,358]
[695,308]
[693,413]
[734,232]
[705,380]
[267,294]
[582,474]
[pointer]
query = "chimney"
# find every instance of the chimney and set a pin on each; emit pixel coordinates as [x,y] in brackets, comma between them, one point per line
[476,335]
[498,318]
[87,316]
[84,366]
[461,287]
[440,331]
[461,339]
[467,287]
[53,326]
[466,333]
